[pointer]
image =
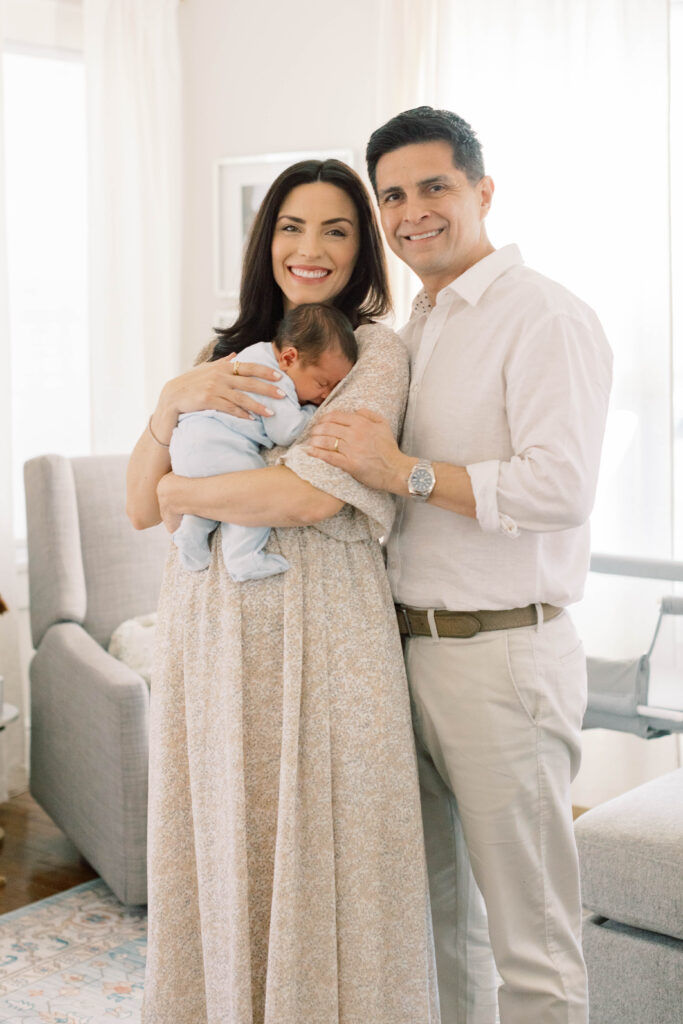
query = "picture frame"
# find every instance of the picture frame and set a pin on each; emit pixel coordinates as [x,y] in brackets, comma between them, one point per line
[239,185]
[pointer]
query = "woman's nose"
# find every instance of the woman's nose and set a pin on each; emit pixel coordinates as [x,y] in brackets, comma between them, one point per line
[309,245]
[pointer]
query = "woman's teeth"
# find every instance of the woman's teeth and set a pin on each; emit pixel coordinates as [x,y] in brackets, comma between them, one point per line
[299,272]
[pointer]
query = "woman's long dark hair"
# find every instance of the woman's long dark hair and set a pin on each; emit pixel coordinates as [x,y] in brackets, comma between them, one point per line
[366,295]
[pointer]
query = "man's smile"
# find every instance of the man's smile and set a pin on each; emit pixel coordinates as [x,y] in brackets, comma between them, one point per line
[421,237]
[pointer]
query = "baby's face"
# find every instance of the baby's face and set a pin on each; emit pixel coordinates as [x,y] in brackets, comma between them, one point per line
[314,381]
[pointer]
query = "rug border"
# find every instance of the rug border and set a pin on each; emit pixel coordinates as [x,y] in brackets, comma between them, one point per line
[55,898]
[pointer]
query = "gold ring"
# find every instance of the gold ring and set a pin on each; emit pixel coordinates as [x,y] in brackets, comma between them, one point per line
[336,444]
[236,368]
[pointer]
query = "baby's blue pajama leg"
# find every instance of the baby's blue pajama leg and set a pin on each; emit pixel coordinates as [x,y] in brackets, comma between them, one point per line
[205,446]
[243,553]
[201,446]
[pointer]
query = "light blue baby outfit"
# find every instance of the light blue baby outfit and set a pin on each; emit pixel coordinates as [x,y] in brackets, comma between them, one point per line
[209,443]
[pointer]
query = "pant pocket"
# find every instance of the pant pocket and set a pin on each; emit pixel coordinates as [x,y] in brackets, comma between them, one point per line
[523,673]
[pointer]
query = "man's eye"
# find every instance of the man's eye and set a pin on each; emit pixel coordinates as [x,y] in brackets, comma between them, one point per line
[392,197]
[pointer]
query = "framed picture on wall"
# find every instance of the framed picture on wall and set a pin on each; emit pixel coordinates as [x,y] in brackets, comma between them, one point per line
[240,184]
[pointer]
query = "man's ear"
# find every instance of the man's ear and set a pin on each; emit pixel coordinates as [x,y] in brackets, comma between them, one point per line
[287,357]
[486,189]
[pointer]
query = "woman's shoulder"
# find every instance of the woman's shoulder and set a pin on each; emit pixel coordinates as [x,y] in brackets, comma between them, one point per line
[206,352]
[380,337]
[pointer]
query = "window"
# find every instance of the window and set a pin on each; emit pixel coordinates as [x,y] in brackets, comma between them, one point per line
[46,187]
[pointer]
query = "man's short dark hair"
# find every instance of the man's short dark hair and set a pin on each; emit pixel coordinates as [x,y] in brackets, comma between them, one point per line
[315,327]
[424,124]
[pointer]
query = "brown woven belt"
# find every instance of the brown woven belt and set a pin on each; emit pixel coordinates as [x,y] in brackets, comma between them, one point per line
[460,625]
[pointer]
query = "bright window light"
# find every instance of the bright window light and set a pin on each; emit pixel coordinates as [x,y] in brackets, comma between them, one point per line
[46,184]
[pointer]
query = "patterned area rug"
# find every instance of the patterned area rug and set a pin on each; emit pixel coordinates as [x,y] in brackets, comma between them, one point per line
[75,958]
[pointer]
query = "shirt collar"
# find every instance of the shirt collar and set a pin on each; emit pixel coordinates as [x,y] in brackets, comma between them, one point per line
[471,285]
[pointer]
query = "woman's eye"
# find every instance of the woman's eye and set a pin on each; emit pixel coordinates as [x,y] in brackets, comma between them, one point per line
[337,232]
[289,227]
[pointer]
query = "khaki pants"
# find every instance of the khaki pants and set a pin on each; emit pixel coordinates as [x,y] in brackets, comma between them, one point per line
[498,726]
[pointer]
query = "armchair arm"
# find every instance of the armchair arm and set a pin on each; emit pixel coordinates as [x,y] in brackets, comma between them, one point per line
[89,753]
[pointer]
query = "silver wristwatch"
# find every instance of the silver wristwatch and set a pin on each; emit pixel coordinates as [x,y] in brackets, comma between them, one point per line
[422,480]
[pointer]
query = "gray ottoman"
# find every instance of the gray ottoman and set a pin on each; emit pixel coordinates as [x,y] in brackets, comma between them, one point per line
[631,855]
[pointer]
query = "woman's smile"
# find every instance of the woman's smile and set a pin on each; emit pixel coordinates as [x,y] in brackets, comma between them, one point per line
[313,274]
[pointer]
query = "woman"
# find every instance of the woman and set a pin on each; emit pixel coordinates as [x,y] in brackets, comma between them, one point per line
[287,878]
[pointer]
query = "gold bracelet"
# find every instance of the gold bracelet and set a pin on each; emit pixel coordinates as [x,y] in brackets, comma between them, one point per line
[153,436]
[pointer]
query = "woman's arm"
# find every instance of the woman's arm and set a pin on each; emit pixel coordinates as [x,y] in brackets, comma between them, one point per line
[273,496]
[207,386]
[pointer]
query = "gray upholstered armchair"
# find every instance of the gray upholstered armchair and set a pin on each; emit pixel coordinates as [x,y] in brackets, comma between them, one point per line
[89,570]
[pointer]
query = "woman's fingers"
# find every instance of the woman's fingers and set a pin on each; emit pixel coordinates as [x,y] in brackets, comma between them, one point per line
[247,369]
[230,392]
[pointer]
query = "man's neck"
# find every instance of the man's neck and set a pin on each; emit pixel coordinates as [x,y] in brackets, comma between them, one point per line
[434,284]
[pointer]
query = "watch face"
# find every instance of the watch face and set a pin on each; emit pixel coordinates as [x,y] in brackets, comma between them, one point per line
[421,480]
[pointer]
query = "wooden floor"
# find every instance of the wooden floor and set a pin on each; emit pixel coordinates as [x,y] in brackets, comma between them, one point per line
[36,859]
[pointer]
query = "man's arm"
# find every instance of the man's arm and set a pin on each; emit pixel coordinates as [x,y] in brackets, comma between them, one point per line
[557,391]
[367,450]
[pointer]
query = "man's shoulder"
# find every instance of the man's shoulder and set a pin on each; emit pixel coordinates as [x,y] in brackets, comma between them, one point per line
[539,295]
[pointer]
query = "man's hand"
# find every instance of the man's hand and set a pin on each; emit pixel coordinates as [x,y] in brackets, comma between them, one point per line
[362,444]
[166,492]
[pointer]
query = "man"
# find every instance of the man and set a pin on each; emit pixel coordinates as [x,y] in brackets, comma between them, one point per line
[497,473]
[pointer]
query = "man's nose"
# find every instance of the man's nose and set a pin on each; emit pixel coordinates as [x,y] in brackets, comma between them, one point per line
[415,209]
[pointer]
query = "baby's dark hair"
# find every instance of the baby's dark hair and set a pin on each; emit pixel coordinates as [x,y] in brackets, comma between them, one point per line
[313,328]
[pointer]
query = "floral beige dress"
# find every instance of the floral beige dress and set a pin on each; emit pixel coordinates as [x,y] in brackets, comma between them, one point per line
[287,878]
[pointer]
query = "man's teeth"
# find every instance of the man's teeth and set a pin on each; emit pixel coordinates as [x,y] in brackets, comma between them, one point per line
[427,234]
[299,272]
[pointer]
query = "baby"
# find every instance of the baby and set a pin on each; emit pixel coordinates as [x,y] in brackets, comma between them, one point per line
[315,348]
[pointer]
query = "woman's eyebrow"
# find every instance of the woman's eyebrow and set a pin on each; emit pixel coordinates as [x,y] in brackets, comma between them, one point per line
[300,220]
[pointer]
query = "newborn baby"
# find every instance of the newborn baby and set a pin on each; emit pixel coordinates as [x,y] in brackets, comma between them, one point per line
[315,348]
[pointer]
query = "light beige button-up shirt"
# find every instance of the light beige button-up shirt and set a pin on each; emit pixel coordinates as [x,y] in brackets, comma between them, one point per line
[510,378]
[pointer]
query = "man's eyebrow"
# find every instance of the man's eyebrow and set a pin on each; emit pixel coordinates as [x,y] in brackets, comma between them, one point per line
[438,179]
[392,188]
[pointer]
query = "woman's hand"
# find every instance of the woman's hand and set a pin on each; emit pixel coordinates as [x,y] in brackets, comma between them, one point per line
[362,444]
[215,386]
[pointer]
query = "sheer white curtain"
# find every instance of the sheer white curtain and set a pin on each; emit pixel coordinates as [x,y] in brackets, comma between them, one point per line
[12,752]
[407,77]
[133,85]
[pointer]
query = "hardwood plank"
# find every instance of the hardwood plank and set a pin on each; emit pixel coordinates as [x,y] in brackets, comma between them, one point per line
[36,858]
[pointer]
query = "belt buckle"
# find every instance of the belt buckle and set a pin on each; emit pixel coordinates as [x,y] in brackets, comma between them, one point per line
[406,619]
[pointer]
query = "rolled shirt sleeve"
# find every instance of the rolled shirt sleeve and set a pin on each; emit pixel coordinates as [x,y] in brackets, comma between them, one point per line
[557,383]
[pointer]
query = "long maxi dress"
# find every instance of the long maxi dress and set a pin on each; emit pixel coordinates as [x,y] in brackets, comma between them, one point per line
[287,878]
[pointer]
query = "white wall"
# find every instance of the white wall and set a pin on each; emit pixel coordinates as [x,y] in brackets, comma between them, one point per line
[258,78]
